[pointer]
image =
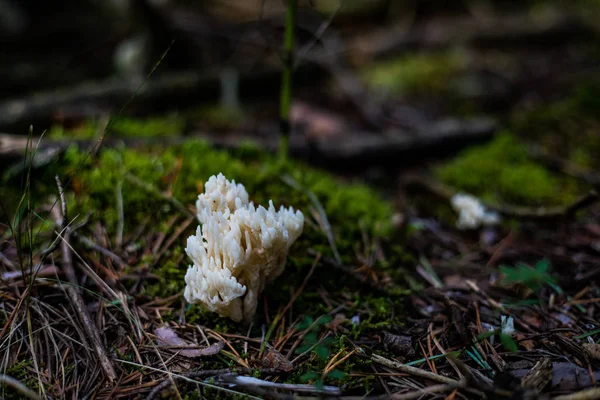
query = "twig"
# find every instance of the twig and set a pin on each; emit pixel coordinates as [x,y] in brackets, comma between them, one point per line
[588,394]
[76,299]
[203,374]
[19,387]
[412,370]
[301,388]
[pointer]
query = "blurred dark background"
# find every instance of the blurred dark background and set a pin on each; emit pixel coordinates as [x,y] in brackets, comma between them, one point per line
[373,79]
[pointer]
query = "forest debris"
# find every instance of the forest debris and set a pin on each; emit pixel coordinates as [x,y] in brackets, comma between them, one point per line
[75,296]
[166,336]
[399,344]
[248,382]
[566,376]
[592,350]
[412,370]
[275,360]
[201,374]
[41,270]
[539,376]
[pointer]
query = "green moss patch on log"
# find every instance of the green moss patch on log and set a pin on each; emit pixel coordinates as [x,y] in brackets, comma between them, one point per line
[503,172]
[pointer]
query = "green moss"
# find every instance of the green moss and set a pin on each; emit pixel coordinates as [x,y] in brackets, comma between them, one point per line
[169,125]
[218,117]
[86,130]
[125,127]
[181,170]
[416,74]
[22,371]
[502,171]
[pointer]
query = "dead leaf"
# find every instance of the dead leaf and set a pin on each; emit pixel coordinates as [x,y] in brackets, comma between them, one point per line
[166,336]
[539,376]
[399,345]
[565,376]
[592,349]
[274,359]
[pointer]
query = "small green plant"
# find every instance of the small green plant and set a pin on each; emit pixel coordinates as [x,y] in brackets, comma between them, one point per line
[321,348]
[311,340]
[533,278]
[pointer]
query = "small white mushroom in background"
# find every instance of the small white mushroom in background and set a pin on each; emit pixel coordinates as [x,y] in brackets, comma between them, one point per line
[471,213]
[237,249]
[507,324]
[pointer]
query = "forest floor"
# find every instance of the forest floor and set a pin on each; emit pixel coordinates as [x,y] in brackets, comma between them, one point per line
[383,295]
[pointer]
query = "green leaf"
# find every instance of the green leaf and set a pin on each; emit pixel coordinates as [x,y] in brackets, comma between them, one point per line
[325,319]
[322,352]
[542,266]
[525,275]
[486,335]
[306,323]
[310,338]
[509,343]
[309,376]
[319,384]
[302,348]
[337,374]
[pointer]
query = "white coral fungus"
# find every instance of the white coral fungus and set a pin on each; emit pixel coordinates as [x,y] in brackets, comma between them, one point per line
[507,324]
[471,213]
[237,249]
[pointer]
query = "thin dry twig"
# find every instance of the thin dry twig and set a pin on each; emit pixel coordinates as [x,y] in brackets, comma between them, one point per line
[247,381]
[203,374]
[18,386]
[412,370]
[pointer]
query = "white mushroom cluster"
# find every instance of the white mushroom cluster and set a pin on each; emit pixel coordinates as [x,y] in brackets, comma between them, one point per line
[471,213]
[237,249]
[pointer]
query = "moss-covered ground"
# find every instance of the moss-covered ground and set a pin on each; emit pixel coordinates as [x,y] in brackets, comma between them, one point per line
[155,187]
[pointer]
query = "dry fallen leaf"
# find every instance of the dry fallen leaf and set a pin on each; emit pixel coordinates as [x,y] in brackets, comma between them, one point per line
[592,349]
[274,359]
[166,336]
